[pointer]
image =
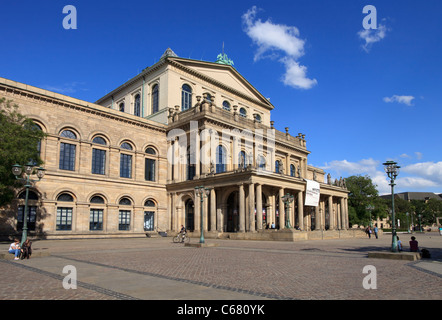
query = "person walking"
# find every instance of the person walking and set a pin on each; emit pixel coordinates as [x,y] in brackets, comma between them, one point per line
[376,231]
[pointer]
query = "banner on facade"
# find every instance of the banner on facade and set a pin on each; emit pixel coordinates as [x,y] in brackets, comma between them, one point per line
[312,193]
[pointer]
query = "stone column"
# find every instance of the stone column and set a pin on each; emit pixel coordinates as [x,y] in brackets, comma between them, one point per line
[251,226]
[259,206]
[342,214]
[346,213]
[317,217]
[197,154]
[242,217]
[338,216]
[212,210]
[330,212]
[301,210]
[281,209]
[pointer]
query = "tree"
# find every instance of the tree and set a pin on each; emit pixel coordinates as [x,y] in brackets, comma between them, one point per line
[19,143]
[433,209]
[363,193]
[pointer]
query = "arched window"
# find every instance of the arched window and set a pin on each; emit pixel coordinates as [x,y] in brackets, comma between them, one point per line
[97,199]
[208,97]
[221,159]
[191,164]
[257,117]
[68,134]
[277,166]
[99,140]
[261,162]
[64,212]
[121,107]
[149,215]
[126,146]
[155,97]
[242,160]
[226,105]
[67,151]
[126,161]
[243,112]
[292,170]
[125,201]
[98,157]
[186,97]
[150,165]
[137,105]
[31,195]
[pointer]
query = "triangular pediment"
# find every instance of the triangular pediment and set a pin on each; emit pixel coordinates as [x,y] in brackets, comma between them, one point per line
[225,76]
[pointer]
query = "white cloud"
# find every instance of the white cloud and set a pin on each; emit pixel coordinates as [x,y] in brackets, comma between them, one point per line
[66,88]
[371,36]
[415,177]
[400,99]
[278,41]
[418,155]
[432,171]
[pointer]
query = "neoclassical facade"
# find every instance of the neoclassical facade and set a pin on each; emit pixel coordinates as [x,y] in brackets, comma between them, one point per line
[130,163]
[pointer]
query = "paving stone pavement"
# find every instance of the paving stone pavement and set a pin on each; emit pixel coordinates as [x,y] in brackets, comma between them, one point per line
[158,269]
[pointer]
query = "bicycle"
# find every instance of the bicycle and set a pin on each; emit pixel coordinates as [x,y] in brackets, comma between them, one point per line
[181,237]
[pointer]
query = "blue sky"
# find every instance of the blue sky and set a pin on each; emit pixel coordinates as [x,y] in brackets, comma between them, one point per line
[358,105]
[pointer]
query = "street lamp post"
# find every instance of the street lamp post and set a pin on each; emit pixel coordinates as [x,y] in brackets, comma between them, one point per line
[202,193]
[392,170]
[17,171]
[408,223]
[287,199]
[420,222]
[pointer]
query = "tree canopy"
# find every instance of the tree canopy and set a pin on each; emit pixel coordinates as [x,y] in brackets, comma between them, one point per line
[19,143]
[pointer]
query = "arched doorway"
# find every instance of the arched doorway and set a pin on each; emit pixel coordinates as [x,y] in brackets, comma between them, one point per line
[232,224]
[190,215]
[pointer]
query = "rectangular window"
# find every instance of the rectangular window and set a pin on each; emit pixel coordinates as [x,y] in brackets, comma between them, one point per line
[124,220]
[67,156]
[125,165]
[98,161]
[149,220]
[64,219]
[96,219]
[32,214]
[149,173]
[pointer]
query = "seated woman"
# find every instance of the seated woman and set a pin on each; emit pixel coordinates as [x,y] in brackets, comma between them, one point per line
[14,248]
[26,249]
[414,245]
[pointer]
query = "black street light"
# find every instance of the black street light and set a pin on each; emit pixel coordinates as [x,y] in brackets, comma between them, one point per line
[392,170]
[29,170]
[202,193]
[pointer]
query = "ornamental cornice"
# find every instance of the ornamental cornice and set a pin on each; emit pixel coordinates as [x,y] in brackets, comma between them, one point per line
[9,90]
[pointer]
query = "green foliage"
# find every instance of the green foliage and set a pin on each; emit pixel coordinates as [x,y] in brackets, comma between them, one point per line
[363,195]
[19,140]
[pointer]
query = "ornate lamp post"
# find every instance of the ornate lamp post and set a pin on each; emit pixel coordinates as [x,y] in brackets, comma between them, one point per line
[17,171]
[392,170]
[202,193]
[420,222]
[408,223]
[287,199]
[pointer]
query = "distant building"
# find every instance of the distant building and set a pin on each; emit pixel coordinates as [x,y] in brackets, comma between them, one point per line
[425,196]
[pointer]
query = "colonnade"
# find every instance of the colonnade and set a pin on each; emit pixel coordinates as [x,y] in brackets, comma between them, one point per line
[252,198]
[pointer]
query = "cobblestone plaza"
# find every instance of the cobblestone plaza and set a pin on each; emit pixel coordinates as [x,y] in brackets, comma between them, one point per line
[158,269]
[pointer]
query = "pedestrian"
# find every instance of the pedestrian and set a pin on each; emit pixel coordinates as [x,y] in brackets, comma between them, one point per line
[368,231]
[376,230]
[440,230]
[14,248]
[26,249]
[414,245]
[399,244]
